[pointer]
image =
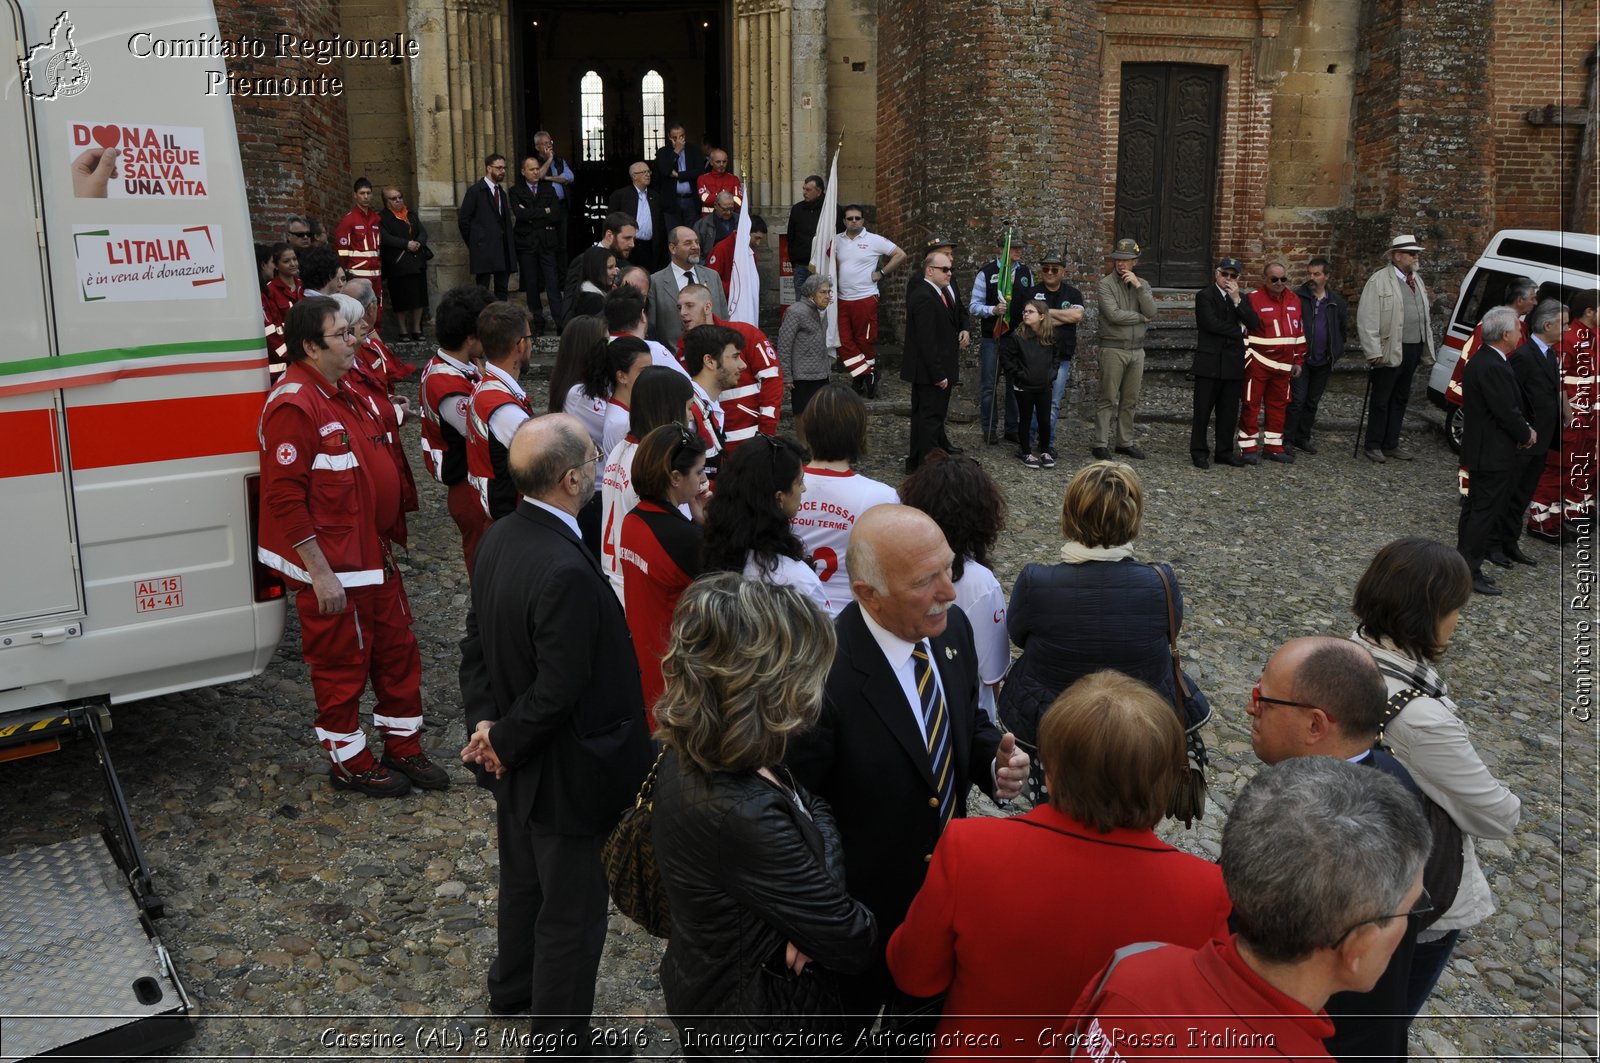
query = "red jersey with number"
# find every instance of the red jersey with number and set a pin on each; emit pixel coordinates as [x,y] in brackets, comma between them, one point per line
[659,549]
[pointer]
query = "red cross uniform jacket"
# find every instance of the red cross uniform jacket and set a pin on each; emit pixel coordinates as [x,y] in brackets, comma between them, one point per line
[1278,343]
[357,241]
[369,378]
[275,304]
[444,450]
[324,475]
[486,455]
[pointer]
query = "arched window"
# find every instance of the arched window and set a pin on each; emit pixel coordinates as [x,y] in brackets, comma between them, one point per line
[655,112]
[592,125]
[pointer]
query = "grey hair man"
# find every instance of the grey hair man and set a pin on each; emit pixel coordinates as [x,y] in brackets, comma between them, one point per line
[1537,367]
[715,225]
[297,232]
[557,727]
[1396,336]
[1494,435]
[1323,862]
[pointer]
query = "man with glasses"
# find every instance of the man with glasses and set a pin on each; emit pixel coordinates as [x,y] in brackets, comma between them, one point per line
[1323,865]
[485,223]
[499,405]
[1324,697]
[861,266]
[297,233]
[1275,347]
[356,238]
[1222,317]
[932,364]
[559,173]
[330,508]
[1396,337]
[990,308]
[643,202]
[556,727]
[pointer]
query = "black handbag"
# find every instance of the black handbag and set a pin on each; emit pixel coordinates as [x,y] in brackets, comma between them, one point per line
[1189,798]
[629,858]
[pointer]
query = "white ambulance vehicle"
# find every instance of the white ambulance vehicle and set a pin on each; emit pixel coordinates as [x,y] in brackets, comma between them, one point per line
[132,375]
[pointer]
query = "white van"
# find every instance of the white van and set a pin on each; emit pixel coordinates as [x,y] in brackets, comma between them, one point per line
[131,384]
[1562,264]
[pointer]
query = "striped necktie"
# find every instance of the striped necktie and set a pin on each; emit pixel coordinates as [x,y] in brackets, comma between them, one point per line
[938,728]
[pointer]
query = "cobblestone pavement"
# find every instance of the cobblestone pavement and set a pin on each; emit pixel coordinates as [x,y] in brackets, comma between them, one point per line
[313,923]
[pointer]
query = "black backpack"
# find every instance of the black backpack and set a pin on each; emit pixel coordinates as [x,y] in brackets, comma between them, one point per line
[1441,875]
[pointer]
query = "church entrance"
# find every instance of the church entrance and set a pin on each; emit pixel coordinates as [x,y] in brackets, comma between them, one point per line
[1167,168]
[606,78]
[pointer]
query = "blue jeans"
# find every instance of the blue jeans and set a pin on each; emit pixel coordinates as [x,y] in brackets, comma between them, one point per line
[1057,389]
[800,275]
[989,370]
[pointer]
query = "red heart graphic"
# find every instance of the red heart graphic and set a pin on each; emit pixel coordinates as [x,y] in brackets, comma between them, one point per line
[106,135]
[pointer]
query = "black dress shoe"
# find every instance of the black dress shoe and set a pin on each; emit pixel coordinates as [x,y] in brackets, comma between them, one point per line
[1200,461]
[1101,454]
[1514,552]
[1483,586]
[1132,450]
[517,1007]
[1283,457]
[1250,459]
[1230,459]
[1497,557]
[1307,447]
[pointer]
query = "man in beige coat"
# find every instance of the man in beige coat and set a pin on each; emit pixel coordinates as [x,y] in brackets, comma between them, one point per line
[1396,336]
[1126,309]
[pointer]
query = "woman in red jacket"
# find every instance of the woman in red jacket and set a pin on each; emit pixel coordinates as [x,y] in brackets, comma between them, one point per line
[660,551]
[1011,950]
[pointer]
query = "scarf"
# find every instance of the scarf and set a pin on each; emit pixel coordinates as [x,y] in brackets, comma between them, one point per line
[404,214]
[1074,553]
[1408,670]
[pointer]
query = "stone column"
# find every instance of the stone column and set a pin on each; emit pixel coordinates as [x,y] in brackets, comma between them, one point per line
[809,150]
[461,103]
[762,111]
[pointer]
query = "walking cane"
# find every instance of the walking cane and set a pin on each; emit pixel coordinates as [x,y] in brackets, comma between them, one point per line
[1361,421]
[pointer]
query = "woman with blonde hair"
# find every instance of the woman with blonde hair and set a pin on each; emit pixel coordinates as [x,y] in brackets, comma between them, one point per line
[1099,607]
[1114,752]
[761,922]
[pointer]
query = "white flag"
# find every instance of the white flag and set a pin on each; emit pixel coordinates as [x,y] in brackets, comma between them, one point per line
[823,260]
[744,283]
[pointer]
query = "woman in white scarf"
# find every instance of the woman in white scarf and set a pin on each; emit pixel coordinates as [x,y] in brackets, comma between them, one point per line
[1407,605]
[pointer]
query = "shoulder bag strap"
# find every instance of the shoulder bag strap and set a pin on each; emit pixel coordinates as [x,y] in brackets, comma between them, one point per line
[1172,639]
[1397,701]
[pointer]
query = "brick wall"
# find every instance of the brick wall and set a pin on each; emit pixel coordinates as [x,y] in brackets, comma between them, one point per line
[1425,156]
[1538,59]
[296,149]
[985,122]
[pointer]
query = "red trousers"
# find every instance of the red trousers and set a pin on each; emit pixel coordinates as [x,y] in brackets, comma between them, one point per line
[858,334]
[466,508]
[1269,386]
[1566,486]
[370,640]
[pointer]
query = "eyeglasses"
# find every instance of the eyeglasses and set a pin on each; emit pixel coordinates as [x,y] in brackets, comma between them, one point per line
[1232,275]
[597,456]
[1050,269]
[854,217]
[293,235]
[941,269]
[393,197]
[1257,698]
[348,333]
[1277,280]
[1423,906]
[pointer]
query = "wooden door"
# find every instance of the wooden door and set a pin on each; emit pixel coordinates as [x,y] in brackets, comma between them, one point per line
[1167,168]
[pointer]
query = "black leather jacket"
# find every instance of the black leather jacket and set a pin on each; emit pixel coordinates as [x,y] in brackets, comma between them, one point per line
[747,872]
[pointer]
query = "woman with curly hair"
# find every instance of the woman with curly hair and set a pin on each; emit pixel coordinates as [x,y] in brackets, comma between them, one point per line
[970,509]
[762,926]
[834,427]
[748,528]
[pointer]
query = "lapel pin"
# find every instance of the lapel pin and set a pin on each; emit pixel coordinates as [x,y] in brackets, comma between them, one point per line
[949,653]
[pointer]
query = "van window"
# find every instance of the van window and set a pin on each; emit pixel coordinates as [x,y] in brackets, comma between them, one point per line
[1484,290]
[1552,255]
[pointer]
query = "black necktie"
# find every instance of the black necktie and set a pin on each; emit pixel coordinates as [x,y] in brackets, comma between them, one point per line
[938,728]
[688,276]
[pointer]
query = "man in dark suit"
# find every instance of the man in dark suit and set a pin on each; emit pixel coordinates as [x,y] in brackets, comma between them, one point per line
[1221,314]
[484,219]
[536,210]
[958,309]
[1537,367]
[1493,429]
[931,363]
[557,728]
[901,737]
[644,204]
[678,166]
